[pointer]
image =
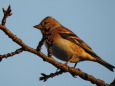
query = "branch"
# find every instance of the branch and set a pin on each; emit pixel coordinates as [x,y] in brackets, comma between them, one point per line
[58,65]
[6,14]
[11,54]
[52,61]
[45,77]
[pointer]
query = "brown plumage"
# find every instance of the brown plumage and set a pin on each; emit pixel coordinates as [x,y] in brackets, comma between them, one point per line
[68,46]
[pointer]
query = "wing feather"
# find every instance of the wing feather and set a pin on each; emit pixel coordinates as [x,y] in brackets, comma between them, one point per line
[69,35]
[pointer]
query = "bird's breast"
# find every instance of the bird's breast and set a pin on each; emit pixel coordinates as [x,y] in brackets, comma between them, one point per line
[63,49]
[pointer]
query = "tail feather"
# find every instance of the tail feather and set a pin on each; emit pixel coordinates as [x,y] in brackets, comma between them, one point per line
[0,59]
[106,64]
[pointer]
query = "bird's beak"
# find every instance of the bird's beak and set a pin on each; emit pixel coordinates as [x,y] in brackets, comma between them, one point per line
[38,26]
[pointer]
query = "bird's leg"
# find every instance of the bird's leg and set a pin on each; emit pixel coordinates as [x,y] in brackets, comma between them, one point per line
[69,60]
[75,65]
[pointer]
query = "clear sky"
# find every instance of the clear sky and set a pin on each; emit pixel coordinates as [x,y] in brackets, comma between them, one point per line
[92,20]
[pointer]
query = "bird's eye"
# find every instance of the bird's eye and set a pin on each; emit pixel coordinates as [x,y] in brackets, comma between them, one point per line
[45,22]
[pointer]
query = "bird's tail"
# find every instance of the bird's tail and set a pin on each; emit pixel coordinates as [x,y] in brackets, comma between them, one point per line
[0,59]
[105,64]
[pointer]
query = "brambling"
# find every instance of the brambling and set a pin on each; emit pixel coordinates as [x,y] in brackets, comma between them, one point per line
[67,46]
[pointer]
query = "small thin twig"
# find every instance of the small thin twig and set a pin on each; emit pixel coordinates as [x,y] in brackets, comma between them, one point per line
[6,14]
[12,53]
[51,75]
[40,44]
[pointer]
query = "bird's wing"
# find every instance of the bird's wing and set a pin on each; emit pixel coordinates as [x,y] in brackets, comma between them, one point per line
[69,35]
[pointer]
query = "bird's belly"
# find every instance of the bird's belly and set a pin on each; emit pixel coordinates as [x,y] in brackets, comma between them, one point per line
[64,50]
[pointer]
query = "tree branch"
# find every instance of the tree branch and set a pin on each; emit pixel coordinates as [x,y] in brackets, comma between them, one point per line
[65,68]
[51,75]
[11,54]
[6,14]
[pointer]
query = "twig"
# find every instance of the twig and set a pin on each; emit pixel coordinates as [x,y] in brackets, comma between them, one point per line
[51,75]
[11,54]
[40,44]
[6,14]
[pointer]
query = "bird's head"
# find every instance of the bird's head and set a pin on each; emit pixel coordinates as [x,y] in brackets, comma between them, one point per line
[47,23]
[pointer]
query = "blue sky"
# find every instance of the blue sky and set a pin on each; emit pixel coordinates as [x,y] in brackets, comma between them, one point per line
[92,20]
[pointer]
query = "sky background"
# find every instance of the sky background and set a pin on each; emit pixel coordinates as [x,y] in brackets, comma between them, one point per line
[92,20]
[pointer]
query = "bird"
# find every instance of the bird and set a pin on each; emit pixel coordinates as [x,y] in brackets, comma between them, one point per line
[67,46]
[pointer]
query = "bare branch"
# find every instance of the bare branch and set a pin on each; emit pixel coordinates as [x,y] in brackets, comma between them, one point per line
[12,36]
[40,44]
[51,75]
[11,54]
[52,61]
[6,14]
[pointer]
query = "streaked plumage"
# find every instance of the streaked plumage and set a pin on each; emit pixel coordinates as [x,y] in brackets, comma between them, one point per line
[68,46]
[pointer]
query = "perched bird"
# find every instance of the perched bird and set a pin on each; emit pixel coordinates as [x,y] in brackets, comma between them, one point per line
[67,46]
